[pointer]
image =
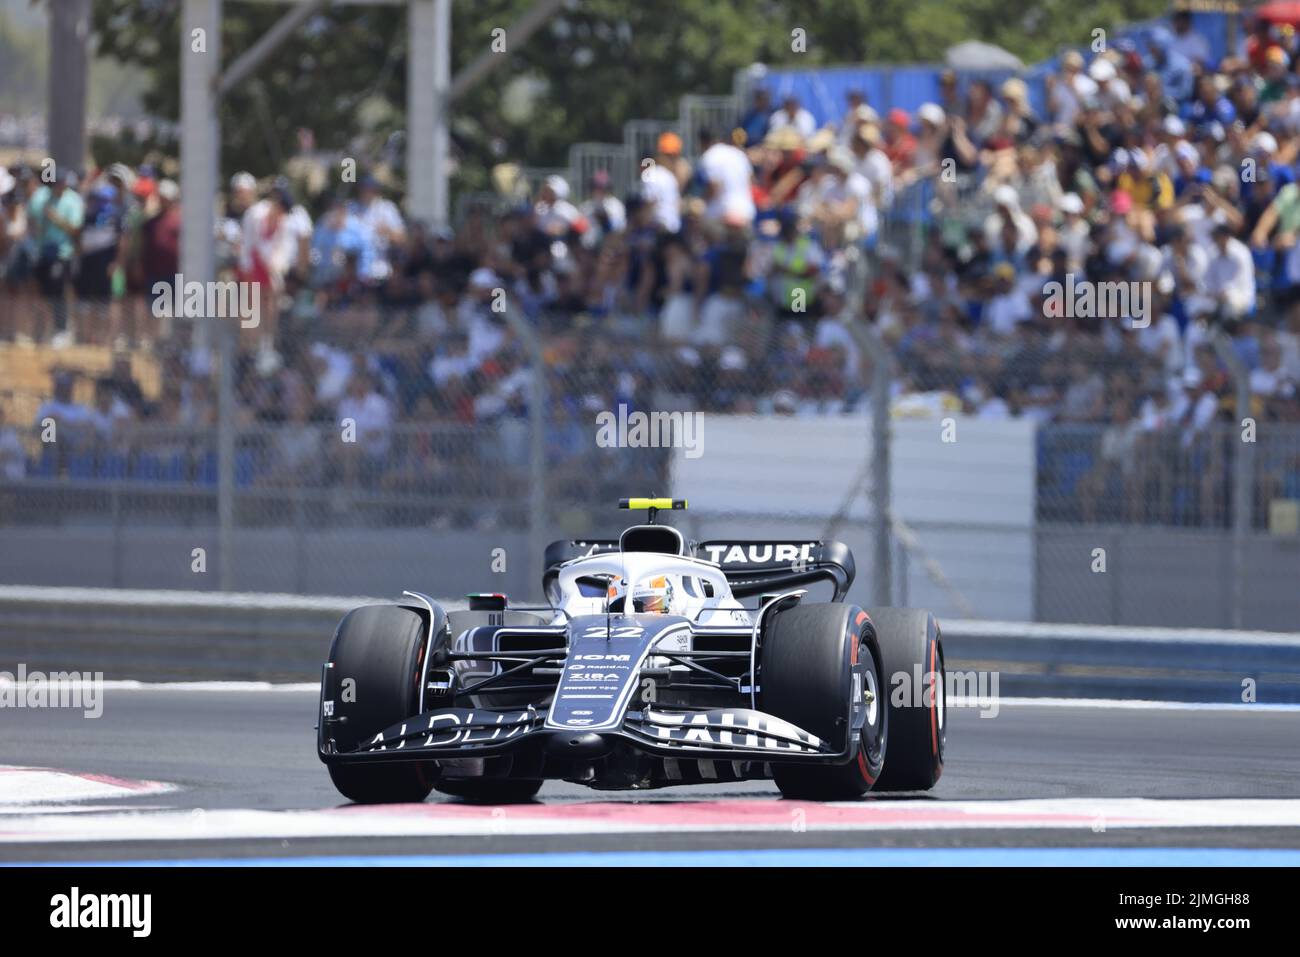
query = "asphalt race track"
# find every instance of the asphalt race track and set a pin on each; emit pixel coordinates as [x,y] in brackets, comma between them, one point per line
[226,774]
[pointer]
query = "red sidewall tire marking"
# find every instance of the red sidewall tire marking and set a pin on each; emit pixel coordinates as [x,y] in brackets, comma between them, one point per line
[934,700]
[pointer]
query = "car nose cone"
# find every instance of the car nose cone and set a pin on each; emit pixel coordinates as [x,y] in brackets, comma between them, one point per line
[579,745]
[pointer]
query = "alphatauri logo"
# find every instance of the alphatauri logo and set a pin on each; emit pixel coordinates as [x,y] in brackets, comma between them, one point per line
[763,554]
[76,910]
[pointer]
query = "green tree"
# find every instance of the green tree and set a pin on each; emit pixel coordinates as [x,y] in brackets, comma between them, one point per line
[595,65]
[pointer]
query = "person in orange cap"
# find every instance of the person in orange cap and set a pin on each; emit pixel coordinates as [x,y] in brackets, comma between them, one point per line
[661,185]
[669,155]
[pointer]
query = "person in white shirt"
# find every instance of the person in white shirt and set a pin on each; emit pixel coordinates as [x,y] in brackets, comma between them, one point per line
[1008,307]
[479,317]
[872,163]
[555,215]
[1230,278]
[1186,40]
[858,114]
[1112,91]
[1270,379]
[1066,93]
[1006,202]
[660,188]
[792,114]
[384,220]
[730,176]
[1074,234]
[370,414]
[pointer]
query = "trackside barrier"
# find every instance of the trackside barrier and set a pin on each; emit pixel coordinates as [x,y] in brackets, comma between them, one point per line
[187,636]
[1105,661]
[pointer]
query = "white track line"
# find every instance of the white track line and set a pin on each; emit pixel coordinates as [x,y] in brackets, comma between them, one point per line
[415,820]
[1117,704]
[34,788]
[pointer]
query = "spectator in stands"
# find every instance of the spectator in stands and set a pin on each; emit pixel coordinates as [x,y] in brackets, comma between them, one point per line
[109,412]
[62,421]
[230,223]
[1020,122]
[950,93]
[1269,380]
[756,121]
[795,268]
[13,456]
[728,176]
[983,115]
[1259,43]
[660,186]
[899,143]
[1187,41]
[16,253]
[1134,174]
[721,280]
[160,242]
[1067,91]
[1007,214]
[793,115]
[1173,68]
[604,212]
[870,161]
[858,114]
[55,215]
[838,200]
[1230,275]
[339,235]
[383,220]
[276,241]
[366,418]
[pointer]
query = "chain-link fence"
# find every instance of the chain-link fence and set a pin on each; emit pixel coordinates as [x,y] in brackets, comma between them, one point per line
[1019,477]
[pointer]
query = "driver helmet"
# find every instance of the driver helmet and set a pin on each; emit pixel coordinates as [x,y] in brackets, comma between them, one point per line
[651,595]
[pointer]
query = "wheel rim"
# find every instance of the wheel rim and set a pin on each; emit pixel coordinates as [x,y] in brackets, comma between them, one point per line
[872,728]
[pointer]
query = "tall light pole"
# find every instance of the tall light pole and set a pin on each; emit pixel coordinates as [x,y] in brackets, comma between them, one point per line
[66,109]
[428,84]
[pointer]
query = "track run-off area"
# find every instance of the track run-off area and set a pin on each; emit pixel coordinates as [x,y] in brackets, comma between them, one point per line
[227,773]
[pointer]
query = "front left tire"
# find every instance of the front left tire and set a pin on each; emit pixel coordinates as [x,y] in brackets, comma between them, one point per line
[809,655]
[379,649]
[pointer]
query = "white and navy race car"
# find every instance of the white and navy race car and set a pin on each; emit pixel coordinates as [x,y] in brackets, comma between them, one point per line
[644,670]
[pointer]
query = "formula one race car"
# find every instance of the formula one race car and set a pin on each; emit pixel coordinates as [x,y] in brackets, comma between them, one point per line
[643,671]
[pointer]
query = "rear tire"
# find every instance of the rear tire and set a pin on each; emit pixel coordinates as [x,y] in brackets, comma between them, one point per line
[910,644]
[380,648]
[808,656]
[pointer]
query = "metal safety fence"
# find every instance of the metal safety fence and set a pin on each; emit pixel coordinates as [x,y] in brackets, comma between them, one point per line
[964,476]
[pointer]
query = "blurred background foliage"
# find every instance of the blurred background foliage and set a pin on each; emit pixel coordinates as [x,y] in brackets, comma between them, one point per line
[343,75]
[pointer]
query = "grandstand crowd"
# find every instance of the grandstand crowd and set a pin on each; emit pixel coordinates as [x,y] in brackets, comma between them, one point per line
[724,277]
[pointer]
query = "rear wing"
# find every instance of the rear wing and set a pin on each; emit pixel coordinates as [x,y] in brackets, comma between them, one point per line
[754,567]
